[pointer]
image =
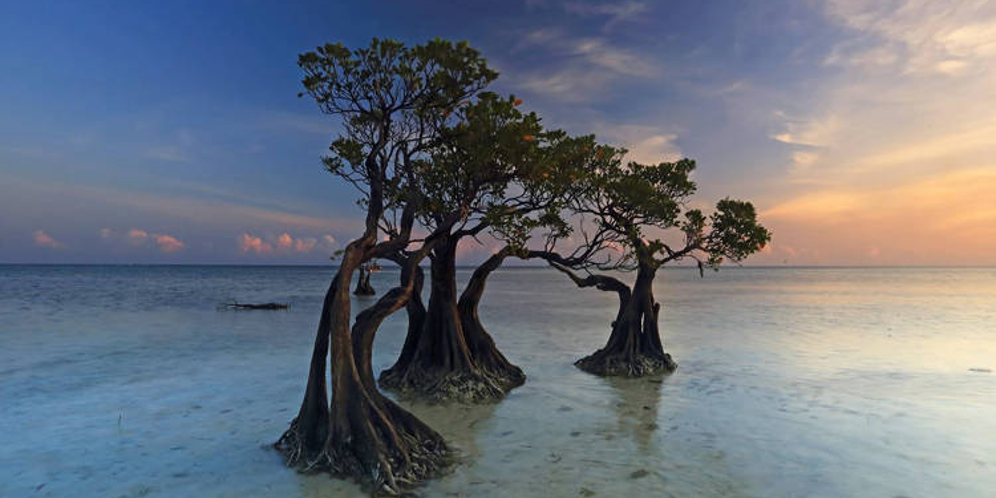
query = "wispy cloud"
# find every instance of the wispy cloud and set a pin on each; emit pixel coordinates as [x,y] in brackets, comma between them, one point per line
[913,95]
[617,13]
[812,132]
[167,153]
[305,244]
[193,209]
[894,159]
[645,144]
[924,36]
[42,239]
[136,236]
[307,123]
[579,66]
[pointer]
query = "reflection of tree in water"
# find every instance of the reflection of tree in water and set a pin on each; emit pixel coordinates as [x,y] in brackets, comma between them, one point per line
[638,406]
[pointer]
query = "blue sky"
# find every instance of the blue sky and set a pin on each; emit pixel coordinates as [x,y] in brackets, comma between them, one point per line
[171,132]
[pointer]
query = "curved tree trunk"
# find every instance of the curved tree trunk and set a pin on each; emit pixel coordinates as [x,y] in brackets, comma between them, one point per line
[361,434]
[482,346]
[309,429]
[439,361]
[416,315]
[634,348]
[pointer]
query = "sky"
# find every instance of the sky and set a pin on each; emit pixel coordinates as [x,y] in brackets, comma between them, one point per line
[171,132]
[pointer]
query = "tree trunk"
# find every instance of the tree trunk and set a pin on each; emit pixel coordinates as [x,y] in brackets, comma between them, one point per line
[361,434]
[363,287]
[416,317]
[482,346]
[634,348]
[439,362]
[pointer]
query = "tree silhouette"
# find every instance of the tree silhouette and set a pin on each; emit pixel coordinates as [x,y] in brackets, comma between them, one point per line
[623,213]
[390,100]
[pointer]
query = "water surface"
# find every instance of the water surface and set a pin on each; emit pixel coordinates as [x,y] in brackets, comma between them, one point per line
[128,381]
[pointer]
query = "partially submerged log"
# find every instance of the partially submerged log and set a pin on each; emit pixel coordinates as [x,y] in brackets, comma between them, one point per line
[259,306]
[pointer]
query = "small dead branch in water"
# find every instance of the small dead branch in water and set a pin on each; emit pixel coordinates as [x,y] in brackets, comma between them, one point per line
[260,306]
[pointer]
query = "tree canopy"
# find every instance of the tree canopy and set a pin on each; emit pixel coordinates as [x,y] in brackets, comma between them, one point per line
[623,212]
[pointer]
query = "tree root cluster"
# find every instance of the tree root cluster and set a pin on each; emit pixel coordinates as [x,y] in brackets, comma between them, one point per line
[465,386]
[394,473]
[623,365]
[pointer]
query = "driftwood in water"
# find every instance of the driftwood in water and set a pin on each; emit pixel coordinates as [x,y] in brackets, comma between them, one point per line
[260,306]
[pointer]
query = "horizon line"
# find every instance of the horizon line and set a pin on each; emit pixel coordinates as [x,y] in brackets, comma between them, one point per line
[392,266]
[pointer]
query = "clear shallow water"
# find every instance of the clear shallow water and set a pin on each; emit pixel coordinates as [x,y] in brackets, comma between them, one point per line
[128,381]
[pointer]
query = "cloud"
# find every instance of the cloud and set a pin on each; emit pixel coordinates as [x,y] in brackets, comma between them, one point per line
[803,161]
[912,95]
[285,241]
[616,12]
[249,243]
[137,237]
[178,151]
[305,244]
[579,67]
[646,144]
[921,36]
[190,209]
[42,239]
[295,122]
[566,84]
[653,149]
[813,132]
[168,243]
[598,52]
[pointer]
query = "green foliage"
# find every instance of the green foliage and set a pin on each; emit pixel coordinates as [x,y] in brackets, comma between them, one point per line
[735,232]
[500,164]
[485,146]
[391,100]
[416,122]
[370,83]
[633,206]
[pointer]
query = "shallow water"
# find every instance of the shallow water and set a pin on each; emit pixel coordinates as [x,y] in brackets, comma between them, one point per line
[129,381]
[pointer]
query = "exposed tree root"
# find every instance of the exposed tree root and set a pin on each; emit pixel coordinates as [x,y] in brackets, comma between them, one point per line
[621,365]
[464,386]
[406,454]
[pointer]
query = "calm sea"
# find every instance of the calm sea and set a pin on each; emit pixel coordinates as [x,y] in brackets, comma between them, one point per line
[128,381]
